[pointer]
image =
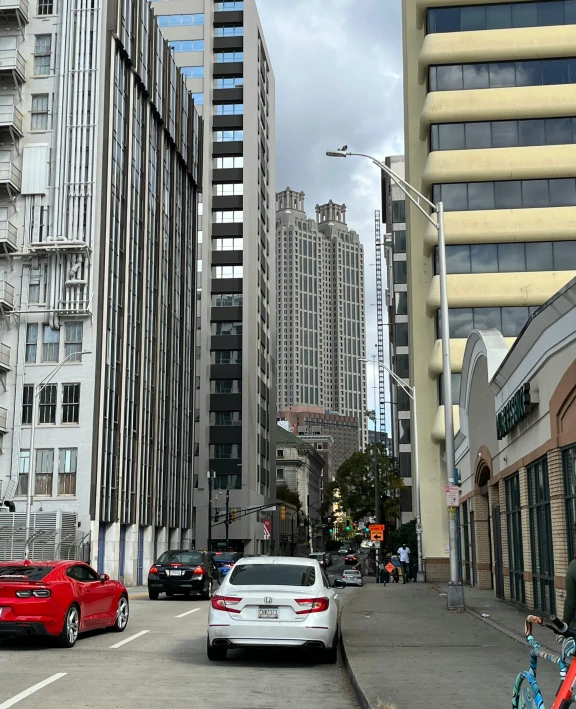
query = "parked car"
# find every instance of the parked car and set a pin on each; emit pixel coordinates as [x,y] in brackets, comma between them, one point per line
[60,599]
[182,571]
[274,601]
[352,577]
[225,560]
[351,559]
[320,556]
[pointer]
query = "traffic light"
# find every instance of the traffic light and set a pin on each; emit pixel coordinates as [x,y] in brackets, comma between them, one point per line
[347,526]
[366,528]
[283,512]
[233,515]
[330,530]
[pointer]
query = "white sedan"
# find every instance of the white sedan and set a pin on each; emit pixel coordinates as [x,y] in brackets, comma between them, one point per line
[352,577]
[274,601]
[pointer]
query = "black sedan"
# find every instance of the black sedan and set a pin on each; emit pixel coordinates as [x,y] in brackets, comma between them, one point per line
[183,572]
[351,559]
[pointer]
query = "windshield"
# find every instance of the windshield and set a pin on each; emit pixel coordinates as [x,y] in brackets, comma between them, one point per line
[224,557]
[17,573]
[181,557]
[273,575]
[351,573]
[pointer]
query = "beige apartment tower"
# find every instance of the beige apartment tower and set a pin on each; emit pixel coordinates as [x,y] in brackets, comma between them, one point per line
[490,129]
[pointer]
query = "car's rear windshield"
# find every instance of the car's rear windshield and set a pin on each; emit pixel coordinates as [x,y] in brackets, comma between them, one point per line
[351,573]
[19,573]
[181,557]
[226,556]
[273,575]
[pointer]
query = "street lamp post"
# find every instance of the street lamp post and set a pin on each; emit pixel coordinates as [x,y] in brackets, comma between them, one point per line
[455,591]
[32,462]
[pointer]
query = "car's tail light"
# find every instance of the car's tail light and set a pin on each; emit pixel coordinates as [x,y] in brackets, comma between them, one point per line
[199,571]
[175,565]
[153,570]
[23,594]
[42,593]
[314,605]
[226,603]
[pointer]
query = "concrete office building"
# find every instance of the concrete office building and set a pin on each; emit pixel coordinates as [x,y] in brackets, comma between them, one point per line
[321,311]
[394,207]
[220,48]
[490,109]
[98,190]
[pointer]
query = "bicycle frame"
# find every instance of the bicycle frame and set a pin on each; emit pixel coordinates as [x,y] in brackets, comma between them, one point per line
[565,693]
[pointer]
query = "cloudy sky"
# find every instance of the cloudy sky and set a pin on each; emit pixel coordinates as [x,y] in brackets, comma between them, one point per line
[338,69]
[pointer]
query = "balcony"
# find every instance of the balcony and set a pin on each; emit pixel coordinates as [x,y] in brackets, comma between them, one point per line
[10,176]
[5,352]
[14,10]
[12,62]
[8,238]
[3,420]
[11,121]
[6,296]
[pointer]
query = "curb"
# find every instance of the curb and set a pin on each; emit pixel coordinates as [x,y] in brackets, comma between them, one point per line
[136,596]
[358,691]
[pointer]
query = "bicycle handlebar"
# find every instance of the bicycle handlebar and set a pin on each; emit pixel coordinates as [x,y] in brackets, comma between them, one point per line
[553,623]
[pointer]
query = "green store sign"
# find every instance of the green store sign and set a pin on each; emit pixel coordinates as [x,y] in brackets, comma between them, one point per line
[515,409]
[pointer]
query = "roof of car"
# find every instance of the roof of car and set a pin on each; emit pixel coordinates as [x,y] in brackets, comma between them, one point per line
[292,560]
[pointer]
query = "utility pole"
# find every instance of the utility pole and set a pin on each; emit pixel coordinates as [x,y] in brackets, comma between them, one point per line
[227,518]
[211,474]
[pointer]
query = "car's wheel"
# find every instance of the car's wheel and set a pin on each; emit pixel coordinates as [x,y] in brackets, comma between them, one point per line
[153,595]
[71,627]
[207,595]
[122,615]
[215,654]
[331,654]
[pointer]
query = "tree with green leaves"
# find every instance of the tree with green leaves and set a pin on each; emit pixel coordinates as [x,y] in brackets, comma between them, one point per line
[352,489]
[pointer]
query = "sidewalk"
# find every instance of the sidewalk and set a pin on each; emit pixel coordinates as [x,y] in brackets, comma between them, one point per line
[404,647]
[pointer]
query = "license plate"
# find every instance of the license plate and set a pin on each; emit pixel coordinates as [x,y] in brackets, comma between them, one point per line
[268,613]
[175,572]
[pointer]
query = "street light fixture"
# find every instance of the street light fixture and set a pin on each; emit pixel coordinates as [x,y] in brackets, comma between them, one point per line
[32,465]
[423,204]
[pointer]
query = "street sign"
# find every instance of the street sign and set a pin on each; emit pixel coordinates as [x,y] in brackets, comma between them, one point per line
[418,529]
[267,528]
[389,567]
[452,496]
[377,532]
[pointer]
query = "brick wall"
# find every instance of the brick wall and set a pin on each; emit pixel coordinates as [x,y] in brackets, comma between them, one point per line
[527,549]
[559,534]
[438,570]
[481,522]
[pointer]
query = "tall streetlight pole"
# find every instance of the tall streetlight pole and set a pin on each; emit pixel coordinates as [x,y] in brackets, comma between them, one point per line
[32,463]
[455,591]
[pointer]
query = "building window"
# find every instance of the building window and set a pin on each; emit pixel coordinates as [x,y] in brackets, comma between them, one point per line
[73,332]
[229,31]
[399,241]
[180,20]
[193,72]
[231,5]
[401,334]
[45,7]
[400,274]
[227,271]
[227,300]
[226,450]
[398,211]
[403,430]
[228,162]
[42,54]
[405,465]
[23,472]
[31,343]
[27,404]
[501,16]
[280,453]
[280,473]
[228,82]
[226,328]
[67,468]
[402,367]
[226,418]
[47,404]
[401,303]
[228,217]
[229,109]
[39,112]
[509,321]
[227,356]
[44,473]
[226,386]
[228,482]
[541,537]
[186,45]
[51,344]
[228,136]
[70,403]
[493,75]
[227,57]
[515,545]
[229,244]
[455,379]
[228,189]
[198,98]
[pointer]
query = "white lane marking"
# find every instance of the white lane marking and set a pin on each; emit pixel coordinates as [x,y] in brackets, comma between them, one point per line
[27,692]
[128,640]
[187,613]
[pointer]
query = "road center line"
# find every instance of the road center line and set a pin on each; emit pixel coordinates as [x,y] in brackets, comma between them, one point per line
[187,613]
[127,640]
[27,692]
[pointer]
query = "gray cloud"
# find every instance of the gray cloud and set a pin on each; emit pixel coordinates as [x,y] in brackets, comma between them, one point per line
[338,69]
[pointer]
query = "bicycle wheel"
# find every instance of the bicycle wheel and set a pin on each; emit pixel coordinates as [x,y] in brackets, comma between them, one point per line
[527,693]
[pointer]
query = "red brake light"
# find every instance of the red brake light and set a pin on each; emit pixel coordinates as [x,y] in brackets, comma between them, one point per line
[199,570]
[176,564]
[316,605]
[224,603]
[153,570]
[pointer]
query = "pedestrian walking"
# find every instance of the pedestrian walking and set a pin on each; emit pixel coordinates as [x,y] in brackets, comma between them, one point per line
[404,555]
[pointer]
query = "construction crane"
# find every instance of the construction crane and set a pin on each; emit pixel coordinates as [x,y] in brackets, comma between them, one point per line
[380,322]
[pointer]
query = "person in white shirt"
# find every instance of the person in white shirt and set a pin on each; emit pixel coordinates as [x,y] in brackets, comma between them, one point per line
[404,554]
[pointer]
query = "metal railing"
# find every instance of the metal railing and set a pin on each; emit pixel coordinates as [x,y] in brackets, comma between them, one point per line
[4,355]
[8,234]
[10,173]
[10,115]
[21,5]
[7,294]
[3,419]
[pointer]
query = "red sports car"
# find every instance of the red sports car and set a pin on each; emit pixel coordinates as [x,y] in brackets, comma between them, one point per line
[59,599]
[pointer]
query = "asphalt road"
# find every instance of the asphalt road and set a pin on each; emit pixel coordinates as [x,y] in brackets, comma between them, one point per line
[160,662]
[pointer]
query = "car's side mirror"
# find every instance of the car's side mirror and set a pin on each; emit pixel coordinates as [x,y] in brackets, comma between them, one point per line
[104,577]
[338,583]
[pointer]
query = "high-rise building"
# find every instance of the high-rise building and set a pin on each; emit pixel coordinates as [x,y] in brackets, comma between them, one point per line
[394,203]
[321,329]
[220,48]
[100,170]
[490,131]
